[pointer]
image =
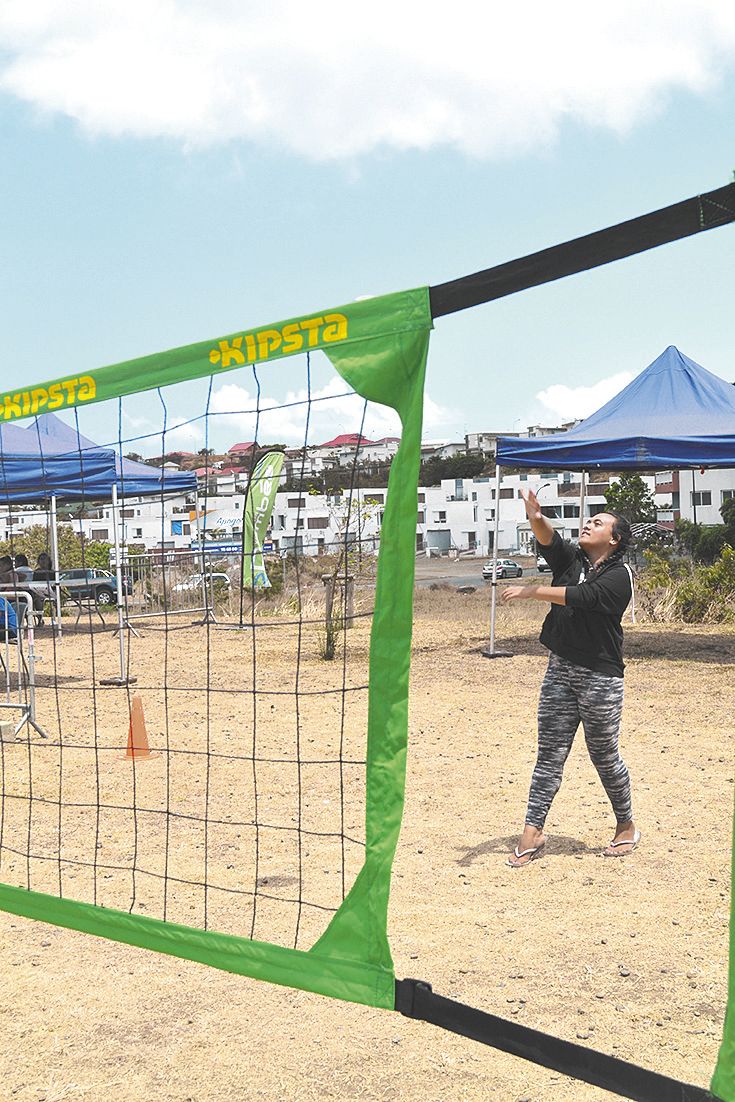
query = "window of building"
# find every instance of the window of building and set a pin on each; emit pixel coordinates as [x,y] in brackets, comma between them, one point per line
[571,510]
[296,502]
[548,511]
[419,541]
[138,533]
[728,495]
[701,497]
[472,540]
[663,477]
[440,517]
[474,513]
[100,533]
[318,522]
[421,518]
[574,533]
[300,522]
[422,499]
[375,499]
[506,491]
[474,495]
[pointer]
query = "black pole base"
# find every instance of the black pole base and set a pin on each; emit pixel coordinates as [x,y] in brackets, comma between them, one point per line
[487,653]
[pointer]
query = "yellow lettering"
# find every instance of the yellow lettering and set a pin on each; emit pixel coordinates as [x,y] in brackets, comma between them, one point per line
[292,339]
[268,341]
[227,353]
[311,325]
[39,398]
[87,388]
[70,386]
[335,327]
[26,400]
[55,397]
[250,345]
[11,406]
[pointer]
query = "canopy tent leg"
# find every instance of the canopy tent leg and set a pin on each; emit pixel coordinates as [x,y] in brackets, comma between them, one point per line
[207,590]
[55,563]
[582,499]
[123,679]
[491,652]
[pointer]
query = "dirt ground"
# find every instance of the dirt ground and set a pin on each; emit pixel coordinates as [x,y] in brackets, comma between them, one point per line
[626,956]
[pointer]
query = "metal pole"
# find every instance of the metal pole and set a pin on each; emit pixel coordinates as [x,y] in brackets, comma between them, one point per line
[491,652]
[200,537]
[118,574]
[694,497]
[55,564]
[582,494]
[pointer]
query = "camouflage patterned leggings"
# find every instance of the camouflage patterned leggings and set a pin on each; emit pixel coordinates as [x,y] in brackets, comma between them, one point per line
[569,694]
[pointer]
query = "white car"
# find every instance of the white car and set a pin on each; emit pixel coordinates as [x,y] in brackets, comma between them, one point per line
[541,564]
[507,568]
[195,582]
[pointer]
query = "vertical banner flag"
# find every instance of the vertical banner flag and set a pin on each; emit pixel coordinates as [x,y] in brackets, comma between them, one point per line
[258,509]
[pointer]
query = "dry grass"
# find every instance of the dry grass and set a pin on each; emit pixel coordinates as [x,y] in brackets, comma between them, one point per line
[628,956]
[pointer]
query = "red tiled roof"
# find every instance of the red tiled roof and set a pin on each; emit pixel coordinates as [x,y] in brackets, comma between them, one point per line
[238,449]
[347,439]
[388,440]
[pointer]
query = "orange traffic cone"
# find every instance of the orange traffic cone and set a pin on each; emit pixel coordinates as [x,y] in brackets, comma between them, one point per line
[137,734]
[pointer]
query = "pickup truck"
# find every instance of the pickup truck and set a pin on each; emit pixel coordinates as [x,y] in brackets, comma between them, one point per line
[100,585]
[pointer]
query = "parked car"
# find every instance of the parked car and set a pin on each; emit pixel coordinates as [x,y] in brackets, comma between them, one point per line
[507,568]
[194,581]
[98,584]
[541,564]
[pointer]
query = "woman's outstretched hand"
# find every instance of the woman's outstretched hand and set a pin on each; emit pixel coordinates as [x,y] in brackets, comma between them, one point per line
[515,592]
[533,509]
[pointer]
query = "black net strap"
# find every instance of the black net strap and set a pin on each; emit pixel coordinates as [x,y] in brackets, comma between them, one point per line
[415,999]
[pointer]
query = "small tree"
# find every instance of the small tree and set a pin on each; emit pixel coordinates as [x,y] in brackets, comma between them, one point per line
[727,512]
[74,550]
[631,497]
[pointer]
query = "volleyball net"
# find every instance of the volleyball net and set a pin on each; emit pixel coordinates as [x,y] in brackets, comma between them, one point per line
[219,772]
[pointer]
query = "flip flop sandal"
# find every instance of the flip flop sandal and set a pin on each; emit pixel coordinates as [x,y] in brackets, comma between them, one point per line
[632,842]
[535,852]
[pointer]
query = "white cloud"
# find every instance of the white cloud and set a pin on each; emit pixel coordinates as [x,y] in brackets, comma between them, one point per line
[332,411]
[570,402]
[331,80]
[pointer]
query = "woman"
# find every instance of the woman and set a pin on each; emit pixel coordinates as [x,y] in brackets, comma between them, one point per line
[590,591]
[44,571]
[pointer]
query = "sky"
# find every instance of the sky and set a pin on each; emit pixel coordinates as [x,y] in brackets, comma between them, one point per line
[173,171]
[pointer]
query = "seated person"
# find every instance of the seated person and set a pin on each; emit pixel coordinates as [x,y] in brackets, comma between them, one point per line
[22,569]
[7,574]
[44,571]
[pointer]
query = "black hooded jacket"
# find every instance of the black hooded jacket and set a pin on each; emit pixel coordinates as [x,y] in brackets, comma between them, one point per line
[587,630]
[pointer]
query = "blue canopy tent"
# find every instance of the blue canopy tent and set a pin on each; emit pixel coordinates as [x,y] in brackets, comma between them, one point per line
[29,473]
[50,461]
[674,415]
[49,433]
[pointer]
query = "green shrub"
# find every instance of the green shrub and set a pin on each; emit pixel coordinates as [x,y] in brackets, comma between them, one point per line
[696,594]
